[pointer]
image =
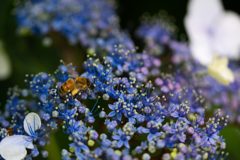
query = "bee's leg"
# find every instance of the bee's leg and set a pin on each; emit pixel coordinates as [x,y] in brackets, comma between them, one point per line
[74,92]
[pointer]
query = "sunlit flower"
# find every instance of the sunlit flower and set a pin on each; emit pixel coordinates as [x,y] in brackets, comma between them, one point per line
[212,29]
[219,70]
[14,147]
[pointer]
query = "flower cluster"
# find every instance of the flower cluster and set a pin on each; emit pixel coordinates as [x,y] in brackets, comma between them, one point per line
[215,83]
[134,110]
[156,32]
[93,23]
[139,111]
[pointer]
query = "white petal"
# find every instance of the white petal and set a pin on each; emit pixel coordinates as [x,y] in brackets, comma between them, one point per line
[32,122]
[198,23]
[226,38]
[212,30]
[5,65]
[194,28]
[205,10]
[201,50]
[29,145]
[200,41]
[14,147]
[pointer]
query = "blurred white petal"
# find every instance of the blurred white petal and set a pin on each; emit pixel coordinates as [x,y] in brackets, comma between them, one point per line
[226,39]
[5,65]
[14,147]
[204,11]
[212,30]
[199,41]
[32,122]
[194,28]
[201,51]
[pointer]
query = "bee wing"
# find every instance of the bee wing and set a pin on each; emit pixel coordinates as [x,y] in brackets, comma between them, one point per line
[71,72]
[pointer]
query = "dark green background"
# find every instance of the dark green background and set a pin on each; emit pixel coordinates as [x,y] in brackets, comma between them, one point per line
[28,56]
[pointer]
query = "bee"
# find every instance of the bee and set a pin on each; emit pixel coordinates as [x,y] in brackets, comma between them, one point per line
[10,131]
[74,84]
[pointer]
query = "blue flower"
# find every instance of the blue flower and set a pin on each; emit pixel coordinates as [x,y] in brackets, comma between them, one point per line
[211,134]
[122,139]
[117,110]
[79,146]
[153,131]
[178,130]
[72,127]
[181,112]
[68,113]
[40,84]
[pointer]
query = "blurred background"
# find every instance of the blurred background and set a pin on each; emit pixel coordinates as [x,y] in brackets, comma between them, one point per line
[27,55]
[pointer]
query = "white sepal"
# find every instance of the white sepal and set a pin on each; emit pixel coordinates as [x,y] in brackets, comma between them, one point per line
[32,122]
[226,40]
[211,30]
[14,147]
[204,11]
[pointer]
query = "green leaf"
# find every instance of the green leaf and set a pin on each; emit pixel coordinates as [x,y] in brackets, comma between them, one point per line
[231,134]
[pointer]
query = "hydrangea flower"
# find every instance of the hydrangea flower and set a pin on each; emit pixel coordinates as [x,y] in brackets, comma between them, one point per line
[156,33]
[92,23]
[14,147]
[122,138]
[211,30]
[166,118]
[190,73]
[132,115]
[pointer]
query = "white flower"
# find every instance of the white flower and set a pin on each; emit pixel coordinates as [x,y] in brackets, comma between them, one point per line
[14,147]
[219,70]
[5,65]
[211,30]
[32,122]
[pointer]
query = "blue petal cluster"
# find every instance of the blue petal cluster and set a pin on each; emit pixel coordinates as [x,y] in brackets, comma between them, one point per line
[134,110]
[93,23]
